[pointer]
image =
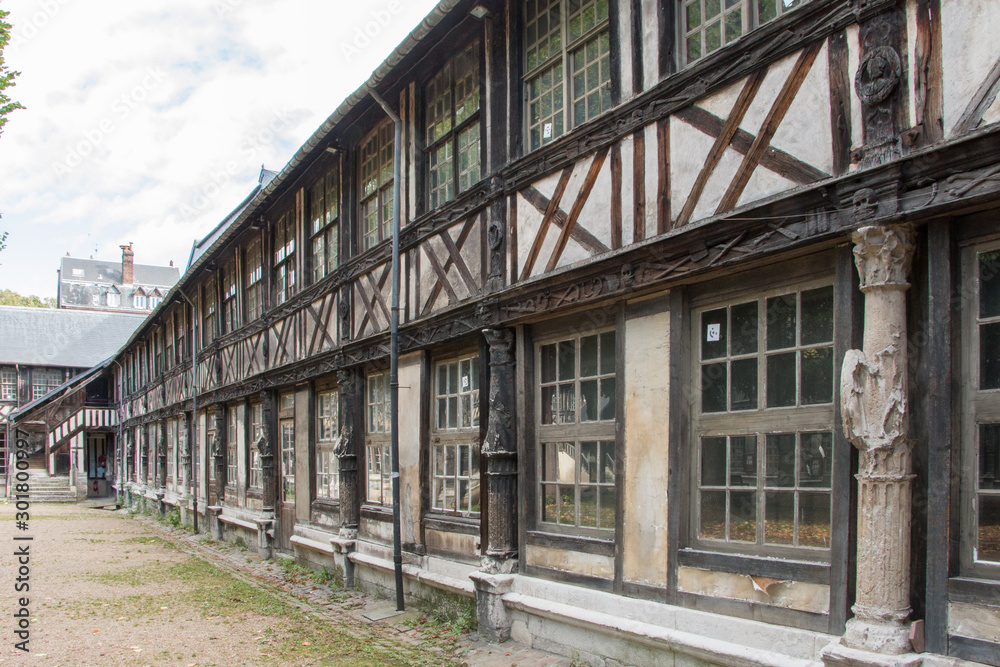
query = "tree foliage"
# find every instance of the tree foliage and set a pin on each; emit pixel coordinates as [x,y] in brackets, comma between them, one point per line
[6,76]
[11,298]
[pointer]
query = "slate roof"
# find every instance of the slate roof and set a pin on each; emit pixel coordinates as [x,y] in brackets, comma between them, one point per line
[62,338]
[72,269]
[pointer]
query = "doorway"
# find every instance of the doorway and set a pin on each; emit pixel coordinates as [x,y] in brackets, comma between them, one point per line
[286,472]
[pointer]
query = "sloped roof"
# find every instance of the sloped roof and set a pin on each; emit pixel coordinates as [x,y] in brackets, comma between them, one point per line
[100,271]
[62,338]
[72,384]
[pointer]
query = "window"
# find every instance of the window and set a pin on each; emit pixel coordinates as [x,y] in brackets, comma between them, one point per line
[567,65]
[455,437]
[980,550]
[379,486]
[287,430]
[3,453]
[763,423]
[256,428]
[710,24]
[327,475]
[324,217]
[154,299]
[376,185]
[453,127]
[232,446]
[576,431]
[8,383]
[181,332]
[255,286]
[113,298]
[208,313]
[139,300]
[284,257]
[230,313]
[44,380]
[171,450]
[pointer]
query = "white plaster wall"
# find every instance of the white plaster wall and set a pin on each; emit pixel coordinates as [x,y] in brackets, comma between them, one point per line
[647,385]
[970,36]
[625,49]
[853,61]
[797,595]
[571,561]
[409,446]
[652,176]
[650,44]
[628,199]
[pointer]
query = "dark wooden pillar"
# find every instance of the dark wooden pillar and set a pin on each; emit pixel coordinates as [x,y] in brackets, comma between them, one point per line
[347,453]
[500,451]
[265,446]
[878,83]
[144,454]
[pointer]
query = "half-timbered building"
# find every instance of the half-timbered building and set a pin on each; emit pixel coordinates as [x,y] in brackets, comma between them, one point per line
[699,333]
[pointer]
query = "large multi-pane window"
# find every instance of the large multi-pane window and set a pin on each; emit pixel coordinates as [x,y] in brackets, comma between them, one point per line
[284,257]
[981,422]
[230,304]
[286,430]
[453,133]
[256,428]
[376,185]
[378,488]
[763,422]
[567,65]
[44,380]
[455,436]
[255,281]
[209,306]
[707,25]
[577,409]
[8,383]
[171,451]
[324,223]
[232,446]
[327,471]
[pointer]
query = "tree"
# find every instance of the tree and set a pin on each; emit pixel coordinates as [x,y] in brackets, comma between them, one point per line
[9,297]
[6,76]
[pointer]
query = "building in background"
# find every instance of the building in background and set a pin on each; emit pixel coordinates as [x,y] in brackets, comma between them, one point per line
[92,284]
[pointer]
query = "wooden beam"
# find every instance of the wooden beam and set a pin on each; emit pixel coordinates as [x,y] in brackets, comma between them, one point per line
[577,208]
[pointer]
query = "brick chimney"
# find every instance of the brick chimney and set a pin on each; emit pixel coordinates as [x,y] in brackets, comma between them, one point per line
[127,264]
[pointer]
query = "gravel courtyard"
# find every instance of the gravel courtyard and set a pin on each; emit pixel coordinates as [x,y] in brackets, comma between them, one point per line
[110,589]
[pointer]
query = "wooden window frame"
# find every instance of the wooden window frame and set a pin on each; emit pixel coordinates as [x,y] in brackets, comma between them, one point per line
[375,162]
[8,383]
[286,447]
[377,439]
[254,272]
[749,19]
[50,379]
[230,300]
[451,135]
[255,478]
[979,407]
[171,451]
[325,229]
[327,433]
[232,447]
[560,58]
[456,438]
[210,303]
[576,433]
[284,257]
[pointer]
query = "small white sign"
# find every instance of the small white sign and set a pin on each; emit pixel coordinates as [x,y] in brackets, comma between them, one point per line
[465,382]
[713,333]
[547,131]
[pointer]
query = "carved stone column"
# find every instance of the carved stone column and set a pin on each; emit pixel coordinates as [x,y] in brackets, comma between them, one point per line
[346,452]
[873,403]
[500,451]
[265,446]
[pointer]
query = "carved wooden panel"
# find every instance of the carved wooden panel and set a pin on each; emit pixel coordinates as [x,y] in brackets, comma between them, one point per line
[447,268]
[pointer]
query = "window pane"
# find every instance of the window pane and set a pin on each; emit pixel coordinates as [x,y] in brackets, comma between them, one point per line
[743,516]
[814,520]
[781,322]
[567,360]
[734,25]
[588,356]
[989,356]
[817,376]
[743,460]
[713,515]
[780,463]
[989,284]
[713,387]
[766,10]
[779,518]
[608,399]
[607,462]
[817,316]
[607,353]
[989,457]
[549,502]
[713,461]
[713,334]
[588,401]
[988,543]
[606,519]
[816,459]
[744,385]
[588,463]
[548,354]
[781,380]
[744,336]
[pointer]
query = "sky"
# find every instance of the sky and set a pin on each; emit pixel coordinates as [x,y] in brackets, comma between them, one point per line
[147,121]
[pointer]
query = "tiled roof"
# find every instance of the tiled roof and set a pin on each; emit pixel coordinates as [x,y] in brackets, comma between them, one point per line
[63,338]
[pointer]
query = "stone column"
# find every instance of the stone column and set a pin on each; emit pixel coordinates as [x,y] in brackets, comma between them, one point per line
[346,452]
[874,407]
[500,450]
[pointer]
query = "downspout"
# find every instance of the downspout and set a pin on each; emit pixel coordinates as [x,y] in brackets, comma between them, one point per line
[397,550]
[194,411]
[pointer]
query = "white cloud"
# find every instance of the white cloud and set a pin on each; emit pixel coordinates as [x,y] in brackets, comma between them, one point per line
[149,121]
